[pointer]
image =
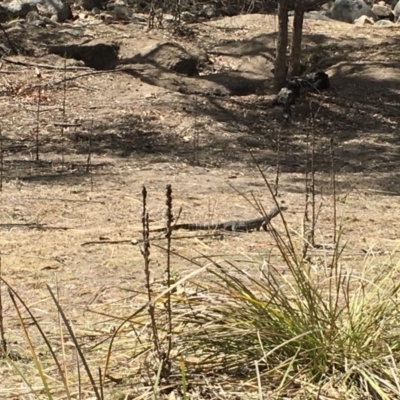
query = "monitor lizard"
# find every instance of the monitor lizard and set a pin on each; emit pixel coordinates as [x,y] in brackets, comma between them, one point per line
[233,226]
[294,88]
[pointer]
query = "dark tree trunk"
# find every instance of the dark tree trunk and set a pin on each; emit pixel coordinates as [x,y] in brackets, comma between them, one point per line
[280,60]
[295,55]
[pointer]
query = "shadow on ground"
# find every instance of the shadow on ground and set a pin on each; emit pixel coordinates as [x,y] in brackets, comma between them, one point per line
[359,114]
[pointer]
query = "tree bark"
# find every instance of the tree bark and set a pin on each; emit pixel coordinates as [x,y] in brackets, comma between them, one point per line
[295,55]
[280,60]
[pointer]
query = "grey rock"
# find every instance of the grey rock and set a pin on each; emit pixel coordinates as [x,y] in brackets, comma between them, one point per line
[48,8]
[384,22]
[35,19]
[139,18]
[32,18]
[122,11]
[229,10]
[309,5]
[397,9]
[21,9]
[209,11]
[3,14]
[88,4]
[349,10]
[13,24]
[97,55]
[106,18]
[171,56]
[383,12]
[186,16]
[315,15]
[74,32]
[363,20]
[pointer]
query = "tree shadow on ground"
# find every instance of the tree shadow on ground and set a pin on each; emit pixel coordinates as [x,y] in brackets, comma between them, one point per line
[360,114]
[364,130]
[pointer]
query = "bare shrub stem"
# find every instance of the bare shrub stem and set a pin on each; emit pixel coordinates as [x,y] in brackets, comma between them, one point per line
[145,250]
[170,219]
[333,177]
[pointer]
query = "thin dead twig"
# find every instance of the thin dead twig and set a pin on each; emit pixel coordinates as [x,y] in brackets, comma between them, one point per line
[71,78]
[46,66]
[67,124]
[32,225]
[8,39]
[9,72]
[135,242]
[3,341]
[62,199]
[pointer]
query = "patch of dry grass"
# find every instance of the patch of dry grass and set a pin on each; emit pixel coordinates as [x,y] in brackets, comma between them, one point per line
[225,308]
[289,329]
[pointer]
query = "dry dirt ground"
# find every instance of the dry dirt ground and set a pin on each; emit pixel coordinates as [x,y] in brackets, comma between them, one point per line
[151,127]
